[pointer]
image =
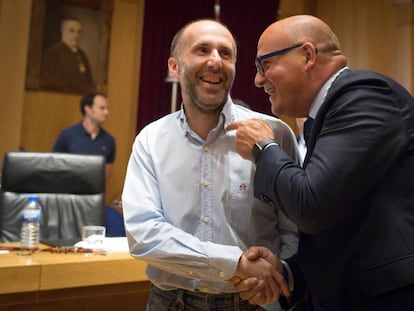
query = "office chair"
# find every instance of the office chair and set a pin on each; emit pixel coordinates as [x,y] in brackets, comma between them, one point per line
[71,190]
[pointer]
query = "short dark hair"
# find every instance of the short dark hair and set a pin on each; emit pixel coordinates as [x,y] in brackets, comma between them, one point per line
[87,100]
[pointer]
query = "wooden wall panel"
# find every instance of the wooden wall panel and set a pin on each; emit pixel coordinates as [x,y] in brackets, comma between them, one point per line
[367,31]
[14,35]
[123,82]
[45,115]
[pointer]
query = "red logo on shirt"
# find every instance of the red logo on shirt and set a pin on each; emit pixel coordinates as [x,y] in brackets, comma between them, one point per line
[243,186]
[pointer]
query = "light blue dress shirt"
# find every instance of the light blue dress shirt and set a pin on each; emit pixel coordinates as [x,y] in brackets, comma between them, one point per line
[189,207]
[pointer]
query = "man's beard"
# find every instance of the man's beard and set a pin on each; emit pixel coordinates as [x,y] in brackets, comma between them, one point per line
[204,103]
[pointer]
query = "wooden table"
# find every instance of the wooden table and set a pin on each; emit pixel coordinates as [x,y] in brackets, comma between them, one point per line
[72,281]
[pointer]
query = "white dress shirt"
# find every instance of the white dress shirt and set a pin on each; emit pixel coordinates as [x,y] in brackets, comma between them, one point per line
[189,207]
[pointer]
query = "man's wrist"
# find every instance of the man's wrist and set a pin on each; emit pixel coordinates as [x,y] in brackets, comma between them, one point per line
[260,146]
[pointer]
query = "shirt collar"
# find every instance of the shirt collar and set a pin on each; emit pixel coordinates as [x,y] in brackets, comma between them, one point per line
[320,97]
[227,116]
[85,132]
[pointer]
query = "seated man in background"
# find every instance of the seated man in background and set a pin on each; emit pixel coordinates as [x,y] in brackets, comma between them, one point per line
[88,136]
[188,197]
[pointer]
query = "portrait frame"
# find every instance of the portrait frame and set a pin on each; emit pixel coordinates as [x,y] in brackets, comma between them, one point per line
[95,17]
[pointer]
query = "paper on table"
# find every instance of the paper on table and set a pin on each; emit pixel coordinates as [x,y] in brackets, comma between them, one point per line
[112,244]
[116,244]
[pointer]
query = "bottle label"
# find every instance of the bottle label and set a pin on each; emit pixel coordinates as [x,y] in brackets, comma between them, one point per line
[31,215]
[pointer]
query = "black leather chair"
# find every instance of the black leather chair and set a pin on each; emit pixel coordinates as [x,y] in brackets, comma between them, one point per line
[71,190]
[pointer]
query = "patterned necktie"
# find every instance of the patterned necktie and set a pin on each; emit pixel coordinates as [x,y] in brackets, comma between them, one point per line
[307,126]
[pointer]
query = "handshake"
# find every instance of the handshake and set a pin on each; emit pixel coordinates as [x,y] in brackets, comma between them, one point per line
[258,277]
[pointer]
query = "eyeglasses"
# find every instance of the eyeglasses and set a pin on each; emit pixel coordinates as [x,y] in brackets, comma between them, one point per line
[260,58]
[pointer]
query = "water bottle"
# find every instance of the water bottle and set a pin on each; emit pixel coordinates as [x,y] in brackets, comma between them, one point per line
[29,237]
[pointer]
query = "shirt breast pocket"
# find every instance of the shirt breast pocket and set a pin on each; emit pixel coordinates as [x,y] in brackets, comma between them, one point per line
[241,200]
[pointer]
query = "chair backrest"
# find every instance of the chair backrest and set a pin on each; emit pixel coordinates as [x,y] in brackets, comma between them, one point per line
[71,190]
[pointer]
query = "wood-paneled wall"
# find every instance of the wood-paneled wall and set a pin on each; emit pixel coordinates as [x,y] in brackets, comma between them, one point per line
[375,34]
[14,36]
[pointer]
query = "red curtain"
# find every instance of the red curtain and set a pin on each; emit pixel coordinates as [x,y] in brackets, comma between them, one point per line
[163,18]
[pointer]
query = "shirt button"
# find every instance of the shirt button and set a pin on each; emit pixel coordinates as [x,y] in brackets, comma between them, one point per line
[205,219]
[205,182]
[205,148]
[221,274]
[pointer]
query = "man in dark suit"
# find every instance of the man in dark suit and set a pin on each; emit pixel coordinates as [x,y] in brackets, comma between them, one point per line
[353,200]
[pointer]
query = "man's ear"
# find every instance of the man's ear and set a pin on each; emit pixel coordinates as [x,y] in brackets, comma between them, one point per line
[88,109]
[310,54]
[173,67]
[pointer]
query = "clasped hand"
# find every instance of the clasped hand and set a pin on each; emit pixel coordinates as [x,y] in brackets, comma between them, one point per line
[258,276]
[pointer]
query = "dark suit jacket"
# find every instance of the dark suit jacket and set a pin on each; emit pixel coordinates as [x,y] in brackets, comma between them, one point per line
[354,200]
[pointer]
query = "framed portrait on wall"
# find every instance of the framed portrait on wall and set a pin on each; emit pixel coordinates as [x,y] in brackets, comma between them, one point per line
[69,46]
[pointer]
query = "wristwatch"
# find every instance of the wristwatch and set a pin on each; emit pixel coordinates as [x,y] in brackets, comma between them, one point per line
[260,146]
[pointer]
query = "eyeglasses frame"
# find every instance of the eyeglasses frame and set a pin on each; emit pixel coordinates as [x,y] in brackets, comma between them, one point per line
[260,58]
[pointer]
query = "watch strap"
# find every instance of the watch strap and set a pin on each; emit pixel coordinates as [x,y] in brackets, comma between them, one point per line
[260,146]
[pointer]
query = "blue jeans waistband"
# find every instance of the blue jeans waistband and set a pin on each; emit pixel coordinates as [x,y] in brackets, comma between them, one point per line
[180,299]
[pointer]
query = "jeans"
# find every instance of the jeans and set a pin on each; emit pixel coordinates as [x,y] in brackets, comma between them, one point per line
[183,300]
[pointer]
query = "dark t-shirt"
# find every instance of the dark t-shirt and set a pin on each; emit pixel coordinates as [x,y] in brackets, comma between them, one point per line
[76,139]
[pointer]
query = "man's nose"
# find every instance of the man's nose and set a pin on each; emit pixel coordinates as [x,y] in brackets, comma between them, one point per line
[259,79]
[214,58]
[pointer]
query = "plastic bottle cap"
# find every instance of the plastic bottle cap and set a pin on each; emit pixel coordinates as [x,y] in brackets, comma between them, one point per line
[33,198]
